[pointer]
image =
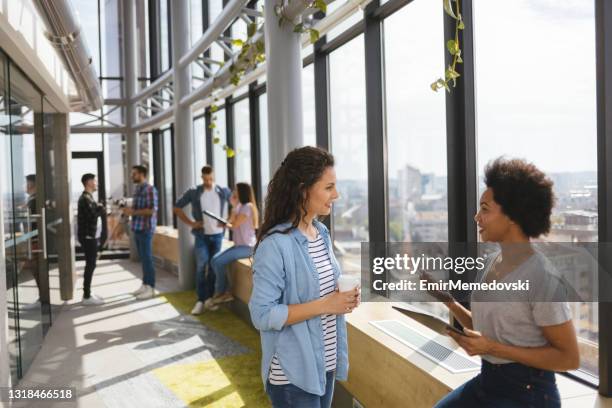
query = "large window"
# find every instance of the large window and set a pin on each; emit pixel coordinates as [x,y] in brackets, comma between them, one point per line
[214,9]
[164,26]
[86,142]
[199,145]
[544,112]
[168,176]
[417,207]
[87,12]
[242,141]
[349,146]
[264,146]
[195,12]
[416,125]
[196,30]
[308,103]
[219,154]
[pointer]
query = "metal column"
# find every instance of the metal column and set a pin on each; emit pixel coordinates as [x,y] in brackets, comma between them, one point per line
[603,35]
[5,375]
[131,87]
[183,131]
[59,133]
[284,87]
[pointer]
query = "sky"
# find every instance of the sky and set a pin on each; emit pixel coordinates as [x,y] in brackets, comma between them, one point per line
[535,88]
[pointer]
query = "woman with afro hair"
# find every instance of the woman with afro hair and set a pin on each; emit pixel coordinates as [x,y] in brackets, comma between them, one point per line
[524,341]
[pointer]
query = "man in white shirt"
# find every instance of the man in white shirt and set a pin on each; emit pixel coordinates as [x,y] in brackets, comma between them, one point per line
[208,232]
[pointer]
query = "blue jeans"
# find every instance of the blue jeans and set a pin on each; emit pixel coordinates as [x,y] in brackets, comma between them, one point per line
[506,386]
[290,396]
[144,244]
[222,259]
[206,246]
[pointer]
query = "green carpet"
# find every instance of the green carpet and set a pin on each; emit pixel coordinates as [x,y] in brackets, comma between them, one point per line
[223,382]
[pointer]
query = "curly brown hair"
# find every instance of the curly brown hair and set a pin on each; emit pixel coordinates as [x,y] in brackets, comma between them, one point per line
[288,188]
[524,193]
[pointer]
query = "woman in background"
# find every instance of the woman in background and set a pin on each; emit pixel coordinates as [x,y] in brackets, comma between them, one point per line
[243,221]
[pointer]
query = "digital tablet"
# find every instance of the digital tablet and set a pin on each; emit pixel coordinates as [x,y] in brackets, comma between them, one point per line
[414,312]
[216,217]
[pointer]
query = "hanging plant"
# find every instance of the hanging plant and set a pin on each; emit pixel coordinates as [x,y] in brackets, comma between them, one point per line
[251,54]
[453,47]
[304,26]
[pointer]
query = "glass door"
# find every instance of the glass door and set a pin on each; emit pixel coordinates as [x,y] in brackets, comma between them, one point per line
[6,193]
[24,220]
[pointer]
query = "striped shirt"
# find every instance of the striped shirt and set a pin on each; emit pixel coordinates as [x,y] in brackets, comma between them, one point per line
[320,257]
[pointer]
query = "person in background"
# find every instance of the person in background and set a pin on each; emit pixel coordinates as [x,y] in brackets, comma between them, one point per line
[32,264]
[31,191]
[522,343]
[294,303]
[88,234]
[207,231]
[144,221]
[243,221]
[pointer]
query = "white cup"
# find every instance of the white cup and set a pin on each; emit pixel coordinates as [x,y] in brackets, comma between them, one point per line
[347,282]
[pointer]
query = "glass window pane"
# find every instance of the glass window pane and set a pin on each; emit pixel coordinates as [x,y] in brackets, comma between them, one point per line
[219,154]
[242,138]
[112,88]
[168,182]
[164,34]
[87,13]
[196,20]
[416,125]
[199,146]
[308,101]
[349,146]
[416,129]
[345,24]
[214,9]
[265,145]
[546,113]
[111,38]
[115,172]
[83,142]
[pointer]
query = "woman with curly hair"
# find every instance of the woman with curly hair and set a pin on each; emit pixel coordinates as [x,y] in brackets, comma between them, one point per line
[295,304]
[522,343]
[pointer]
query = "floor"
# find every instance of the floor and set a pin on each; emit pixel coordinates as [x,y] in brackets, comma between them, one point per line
[151,353]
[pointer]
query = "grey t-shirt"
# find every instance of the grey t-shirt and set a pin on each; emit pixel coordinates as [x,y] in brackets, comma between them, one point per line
[517,320]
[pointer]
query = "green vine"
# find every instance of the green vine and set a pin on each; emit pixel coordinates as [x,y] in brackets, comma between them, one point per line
[213,126]
[303,27]
[453,47]
[251,53]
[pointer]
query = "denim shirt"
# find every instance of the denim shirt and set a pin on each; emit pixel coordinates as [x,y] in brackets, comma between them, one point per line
[192,196]
[284,274]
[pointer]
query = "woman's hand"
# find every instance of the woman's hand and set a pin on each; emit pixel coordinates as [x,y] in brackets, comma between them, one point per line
[474,343]
[341,302]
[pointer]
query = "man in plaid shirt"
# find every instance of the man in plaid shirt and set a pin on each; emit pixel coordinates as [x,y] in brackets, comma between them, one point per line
[144,220]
